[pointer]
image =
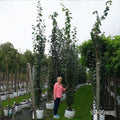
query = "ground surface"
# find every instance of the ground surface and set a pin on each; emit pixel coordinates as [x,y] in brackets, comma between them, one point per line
[82,104]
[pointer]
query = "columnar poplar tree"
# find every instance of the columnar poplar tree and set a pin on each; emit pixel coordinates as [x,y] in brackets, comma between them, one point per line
[95,35]
[39,48]
[70,58]
[54,55]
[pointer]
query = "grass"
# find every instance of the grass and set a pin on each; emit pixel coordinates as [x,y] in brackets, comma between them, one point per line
[82,104]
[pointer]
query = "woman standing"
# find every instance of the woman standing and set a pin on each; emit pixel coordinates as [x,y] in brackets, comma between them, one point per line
[57,94]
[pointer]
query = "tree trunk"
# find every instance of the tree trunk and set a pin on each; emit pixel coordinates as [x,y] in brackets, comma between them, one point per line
[11,81]
[8,88]
[1,108]
[115,97]
[3,82]
[17,83]
[15,79]
[0,80]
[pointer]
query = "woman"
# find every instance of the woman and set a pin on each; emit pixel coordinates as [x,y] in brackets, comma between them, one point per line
[57,94]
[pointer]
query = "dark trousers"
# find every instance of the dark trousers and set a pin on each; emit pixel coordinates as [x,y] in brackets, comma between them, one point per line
[56,105]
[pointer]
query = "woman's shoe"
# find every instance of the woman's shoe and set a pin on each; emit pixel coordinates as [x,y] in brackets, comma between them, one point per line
[56,116]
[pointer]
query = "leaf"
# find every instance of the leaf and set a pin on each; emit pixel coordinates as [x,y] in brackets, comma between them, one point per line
[95,12]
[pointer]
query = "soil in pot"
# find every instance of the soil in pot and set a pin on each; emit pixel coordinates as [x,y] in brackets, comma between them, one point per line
[3,94]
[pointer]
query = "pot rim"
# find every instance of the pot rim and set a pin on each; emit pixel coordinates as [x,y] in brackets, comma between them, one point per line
[70,110]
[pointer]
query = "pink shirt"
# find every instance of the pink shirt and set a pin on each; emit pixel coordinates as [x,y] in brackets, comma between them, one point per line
[58,89]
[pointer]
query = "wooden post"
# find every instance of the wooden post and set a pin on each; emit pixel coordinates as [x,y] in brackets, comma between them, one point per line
[0,80]
[98,88]
[8,88]
[17,82]
[115,96]
[27,80]
[1,108]
[13,115]
[18,77]
[32,90]
[15,79]
[109,90]
[11,80]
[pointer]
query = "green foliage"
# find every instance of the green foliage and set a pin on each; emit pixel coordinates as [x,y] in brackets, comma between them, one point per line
[87,50]
[39,48]
[64,56]
[109,59]
[8,57]
[29,57]
[95,33]
[99,46]
[112,56]
[54,55]
[70,54]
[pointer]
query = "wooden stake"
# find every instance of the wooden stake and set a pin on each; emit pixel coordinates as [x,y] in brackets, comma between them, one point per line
[115,97]
[27,80]
[1,108]
[98,88]
[32,90]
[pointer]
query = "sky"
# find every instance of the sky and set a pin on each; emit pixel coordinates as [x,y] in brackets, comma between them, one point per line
[18,16]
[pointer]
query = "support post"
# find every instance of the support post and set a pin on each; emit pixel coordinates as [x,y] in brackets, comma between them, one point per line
[1,108]
[32,90]
[98,88]
[115,96]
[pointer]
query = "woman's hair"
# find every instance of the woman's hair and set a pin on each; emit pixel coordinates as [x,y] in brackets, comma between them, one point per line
[59,77]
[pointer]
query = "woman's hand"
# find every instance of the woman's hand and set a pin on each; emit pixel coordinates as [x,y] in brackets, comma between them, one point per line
[54,98]
[65,88]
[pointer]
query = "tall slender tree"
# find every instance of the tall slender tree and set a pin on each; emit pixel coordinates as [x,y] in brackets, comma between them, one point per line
[39,48]
[95,35]
[70,57]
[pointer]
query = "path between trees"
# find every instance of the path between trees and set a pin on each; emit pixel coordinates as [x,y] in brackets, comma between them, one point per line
[26,114]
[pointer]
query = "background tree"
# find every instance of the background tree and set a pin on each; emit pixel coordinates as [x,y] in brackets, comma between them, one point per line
[29,57]
[8,56]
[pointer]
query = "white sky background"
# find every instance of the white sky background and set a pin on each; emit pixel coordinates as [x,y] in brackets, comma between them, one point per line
[16,18]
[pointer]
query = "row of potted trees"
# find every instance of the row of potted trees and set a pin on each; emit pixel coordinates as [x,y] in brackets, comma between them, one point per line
[17,107]
[63,57]
[12,95]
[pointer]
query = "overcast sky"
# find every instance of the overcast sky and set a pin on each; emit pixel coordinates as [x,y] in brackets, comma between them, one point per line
[16,18]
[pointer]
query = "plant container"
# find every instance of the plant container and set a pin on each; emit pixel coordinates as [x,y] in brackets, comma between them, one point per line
[69,113]
[39,114]
[50,105]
